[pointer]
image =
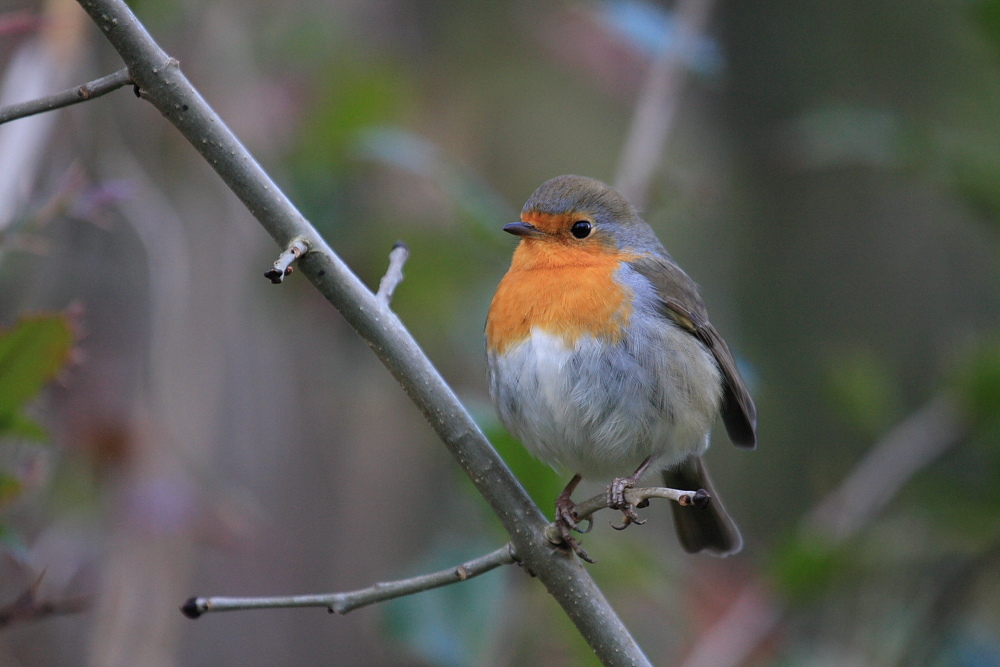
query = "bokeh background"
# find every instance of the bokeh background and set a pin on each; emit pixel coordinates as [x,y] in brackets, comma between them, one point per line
[831,178]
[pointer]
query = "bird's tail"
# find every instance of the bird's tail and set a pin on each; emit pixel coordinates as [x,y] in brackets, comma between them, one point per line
[709,529]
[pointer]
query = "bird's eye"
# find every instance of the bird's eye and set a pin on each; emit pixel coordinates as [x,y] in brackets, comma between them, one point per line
[581,229]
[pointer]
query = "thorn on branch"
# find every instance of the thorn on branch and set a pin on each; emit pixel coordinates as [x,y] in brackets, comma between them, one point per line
[394,274]
[283,265]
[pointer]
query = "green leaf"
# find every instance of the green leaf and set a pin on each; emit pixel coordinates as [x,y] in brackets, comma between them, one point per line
[805,566]
[977,379]
[31,354]
[10,488]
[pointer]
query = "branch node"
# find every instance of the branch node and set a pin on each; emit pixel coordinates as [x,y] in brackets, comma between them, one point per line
[283,265]
[394,274]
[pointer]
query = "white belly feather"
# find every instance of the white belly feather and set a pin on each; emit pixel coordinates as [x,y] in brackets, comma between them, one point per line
[597,410]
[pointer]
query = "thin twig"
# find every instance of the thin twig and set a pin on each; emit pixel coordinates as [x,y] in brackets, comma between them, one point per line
[165,87]
[394,274]
[283,265]
[82,93]
[343,603]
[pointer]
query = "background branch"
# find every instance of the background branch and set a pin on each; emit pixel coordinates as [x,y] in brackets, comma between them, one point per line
[343,603]
[81,93]
[172,94]
[658,102]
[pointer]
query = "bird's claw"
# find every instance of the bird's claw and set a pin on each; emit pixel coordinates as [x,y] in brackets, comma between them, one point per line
[566,521]
[617,501]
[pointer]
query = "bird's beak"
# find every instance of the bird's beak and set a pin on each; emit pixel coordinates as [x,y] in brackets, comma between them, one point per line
[523,229]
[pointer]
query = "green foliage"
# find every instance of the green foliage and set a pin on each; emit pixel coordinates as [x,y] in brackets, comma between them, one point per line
[861,387]
[31,354]
[986,15]
[978,383]
[804,567]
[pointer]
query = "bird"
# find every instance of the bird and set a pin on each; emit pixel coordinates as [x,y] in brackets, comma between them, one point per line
[602,360]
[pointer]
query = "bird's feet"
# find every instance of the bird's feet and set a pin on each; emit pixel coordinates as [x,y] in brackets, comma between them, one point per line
[617,501]
[567,522]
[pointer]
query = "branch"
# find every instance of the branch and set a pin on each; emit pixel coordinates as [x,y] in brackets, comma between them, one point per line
[164,86]
[87,91]
[394,274]
[283,265]
[343,603]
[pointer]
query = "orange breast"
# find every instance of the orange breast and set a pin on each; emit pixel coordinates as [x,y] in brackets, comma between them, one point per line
[562,289]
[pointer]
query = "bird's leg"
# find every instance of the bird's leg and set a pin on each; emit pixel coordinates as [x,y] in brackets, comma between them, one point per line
[616,495]
[567,522]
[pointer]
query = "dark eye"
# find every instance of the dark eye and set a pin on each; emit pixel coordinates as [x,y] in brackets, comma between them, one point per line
[581,229]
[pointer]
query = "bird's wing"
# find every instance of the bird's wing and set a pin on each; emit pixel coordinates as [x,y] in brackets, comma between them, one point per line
[679,300]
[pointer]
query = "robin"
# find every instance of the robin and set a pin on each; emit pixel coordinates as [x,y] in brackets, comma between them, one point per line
[602,360]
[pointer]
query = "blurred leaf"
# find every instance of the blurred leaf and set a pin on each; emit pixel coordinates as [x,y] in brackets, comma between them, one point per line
[31,354]
[805,566]
[10,488]
[19,426]
[986,15]
[861,387]
[978,382]
[450,626]
[356,97]
[979,182]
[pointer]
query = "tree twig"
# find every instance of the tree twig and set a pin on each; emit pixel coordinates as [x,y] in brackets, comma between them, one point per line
[343,603]
[394,274]
[164,86]
[82,93]
[283,265]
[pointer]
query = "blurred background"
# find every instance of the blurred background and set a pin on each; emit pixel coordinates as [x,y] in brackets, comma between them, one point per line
[174,425]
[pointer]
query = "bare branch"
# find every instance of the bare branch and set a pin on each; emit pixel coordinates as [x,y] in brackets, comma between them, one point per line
[82,93]
[283,265]
[165,86]
[343,603]
[394,274]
